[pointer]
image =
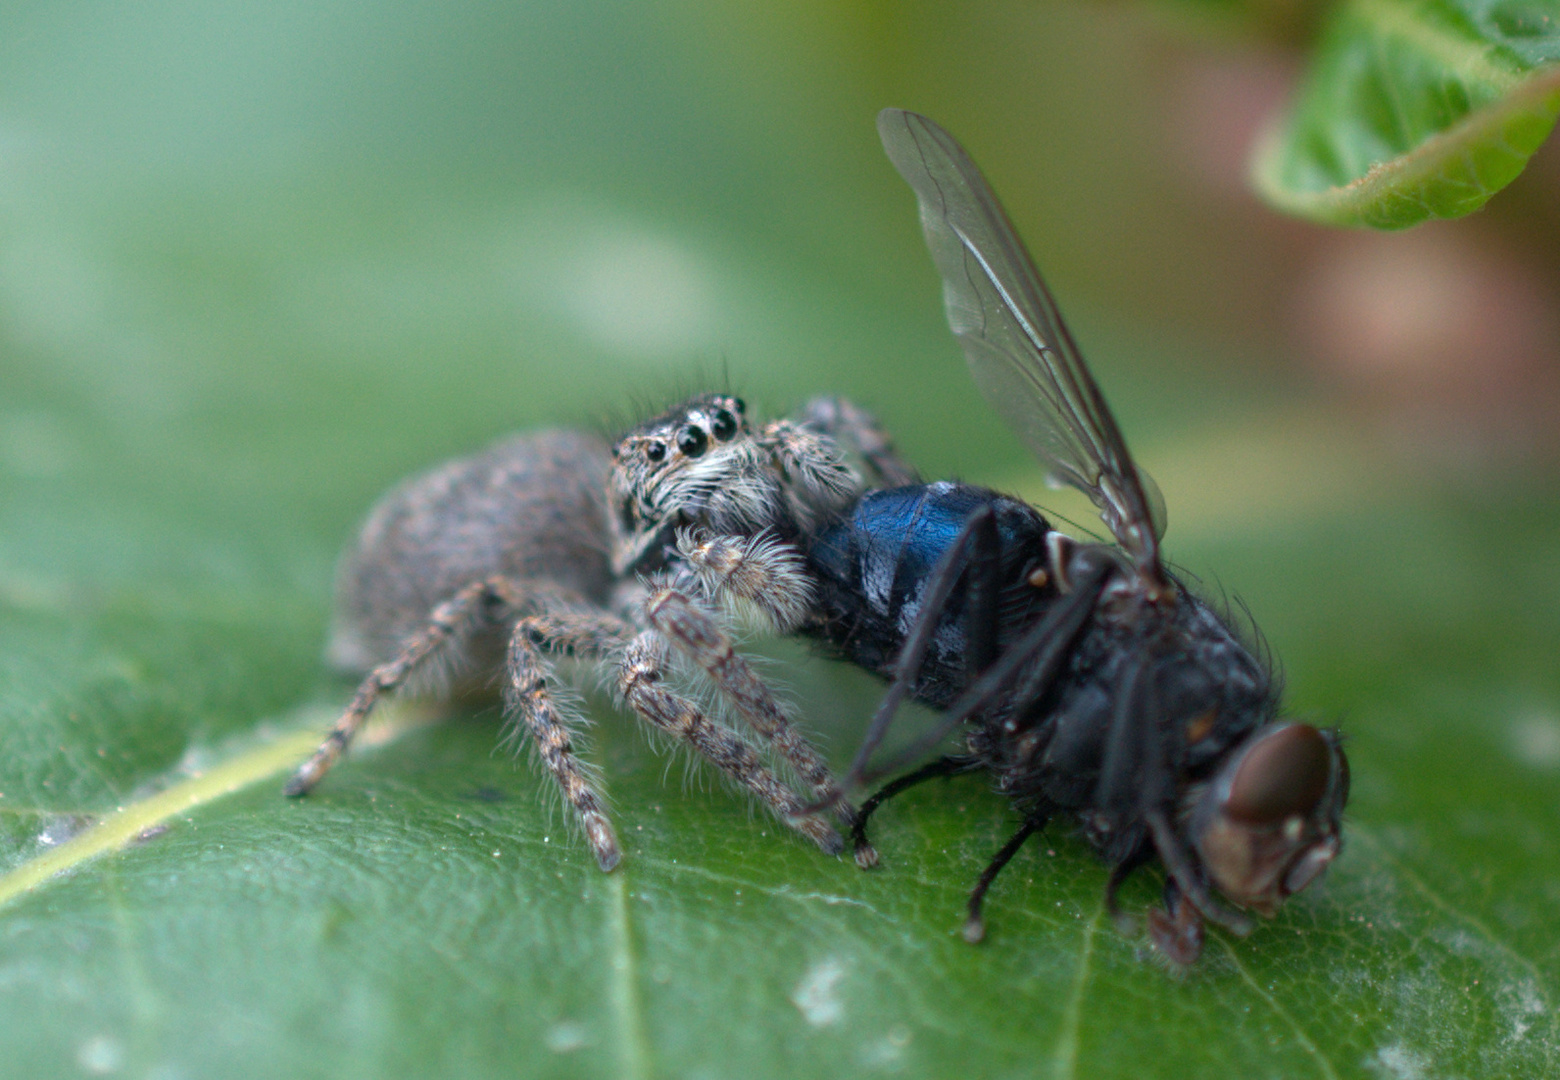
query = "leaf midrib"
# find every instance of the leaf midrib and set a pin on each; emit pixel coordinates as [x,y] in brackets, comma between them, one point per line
[299,735]
[1473,61]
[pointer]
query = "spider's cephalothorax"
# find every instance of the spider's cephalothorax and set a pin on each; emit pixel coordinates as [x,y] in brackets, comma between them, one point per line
[702,461]
[1086,677]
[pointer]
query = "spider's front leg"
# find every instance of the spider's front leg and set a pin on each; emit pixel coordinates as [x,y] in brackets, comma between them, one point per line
[591,634]
[759,573]
[641,680]
[769,576]
[849,425]
[813,476]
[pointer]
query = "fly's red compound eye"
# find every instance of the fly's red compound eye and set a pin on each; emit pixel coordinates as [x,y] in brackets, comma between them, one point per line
[1285,773]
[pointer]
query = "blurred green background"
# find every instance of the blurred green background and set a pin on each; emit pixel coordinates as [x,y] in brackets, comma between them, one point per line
[258,261]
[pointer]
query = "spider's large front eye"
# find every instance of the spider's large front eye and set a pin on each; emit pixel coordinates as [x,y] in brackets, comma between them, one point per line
[724,426]
[1284,773]
[655,451]
[692,441]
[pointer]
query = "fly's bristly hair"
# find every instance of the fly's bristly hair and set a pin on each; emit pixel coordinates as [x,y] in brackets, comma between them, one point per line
[1234,614]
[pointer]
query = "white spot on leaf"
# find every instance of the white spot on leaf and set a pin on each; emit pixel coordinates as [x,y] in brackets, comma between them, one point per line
[1398,1062]
[565,1037]
[815,995]
[101,1055]
[1535,740]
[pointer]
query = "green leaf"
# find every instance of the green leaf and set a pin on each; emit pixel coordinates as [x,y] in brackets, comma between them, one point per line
[427,911]
[259,262]
[1414,109]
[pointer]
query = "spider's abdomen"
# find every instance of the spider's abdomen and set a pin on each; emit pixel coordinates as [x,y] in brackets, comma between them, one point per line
[532,507]
[873,567]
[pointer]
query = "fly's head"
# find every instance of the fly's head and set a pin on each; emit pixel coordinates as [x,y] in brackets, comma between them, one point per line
[1268,823]
[680,468]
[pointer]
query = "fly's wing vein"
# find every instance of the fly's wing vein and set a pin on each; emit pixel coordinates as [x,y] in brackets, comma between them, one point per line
[1020,352]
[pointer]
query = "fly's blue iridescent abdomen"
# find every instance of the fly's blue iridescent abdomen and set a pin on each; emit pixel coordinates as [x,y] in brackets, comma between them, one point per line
[874,565]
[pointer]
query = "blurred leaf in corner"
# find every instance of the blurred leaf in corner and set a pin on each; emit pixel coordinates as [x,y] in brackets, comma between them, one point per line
[1414,109]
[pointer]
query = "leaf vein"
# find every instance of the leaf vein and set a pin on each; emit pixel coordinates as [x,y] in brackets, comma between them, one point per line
[1441,904]
[1064,1062]
[1469,58]
[120,827]
[1322,1064]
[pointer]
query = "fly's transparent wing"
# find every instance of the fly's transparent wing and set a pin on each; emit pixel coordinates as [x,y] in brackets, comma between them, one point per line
[1020,351]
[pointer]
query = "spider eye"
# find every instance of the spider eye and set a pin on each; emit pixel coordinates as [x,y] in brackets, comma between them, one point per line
[725,425]
[655,451]
[692,441]
[1284,773]
[740,405]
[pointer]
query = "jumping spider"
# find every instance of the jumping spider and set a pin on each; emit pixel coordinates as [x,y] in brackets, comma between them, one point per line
[488,568]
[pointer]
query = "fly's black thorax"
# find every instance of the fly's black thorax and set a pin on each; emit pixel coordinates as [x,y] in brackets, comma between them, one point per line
[873,565]
[1208,691]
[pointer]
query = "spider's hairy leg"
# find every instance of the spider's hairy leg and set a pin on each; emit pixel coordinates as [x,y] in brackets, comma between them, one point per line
[698,634]
[818,479]
[859,430]
[640,681]
[472,608]
[528,701]
[758,571]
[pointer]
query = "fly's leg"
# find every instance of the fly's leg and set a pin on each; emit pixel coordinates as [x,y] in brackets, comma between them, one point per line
[946,766]
[974,923]
[640,679]
[1139,855]
[1022,673]
[1135,786]
[1177,931]
[474,607]
[907,666]
[982,595]
[854,427]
